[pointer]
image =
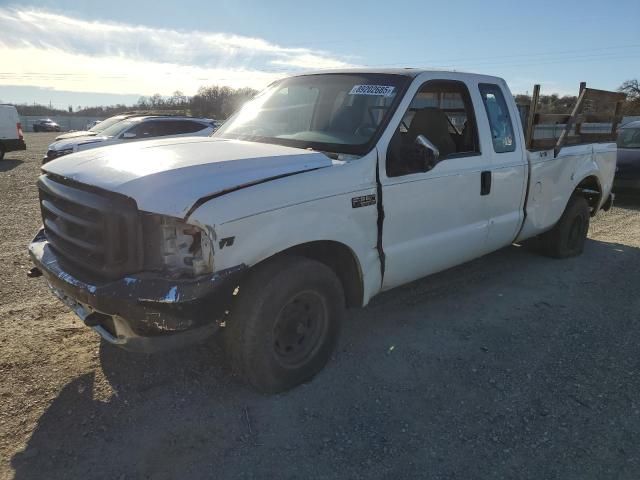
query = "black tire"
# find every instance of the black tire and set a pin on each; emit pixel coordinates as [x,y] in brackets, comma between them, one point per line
[284,323]
[36,128]
[566,239]
[1,152]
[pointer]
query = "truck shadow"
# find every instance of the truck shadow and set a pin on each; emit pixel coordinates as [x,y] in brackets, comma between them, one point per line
[9,164]
[454,352]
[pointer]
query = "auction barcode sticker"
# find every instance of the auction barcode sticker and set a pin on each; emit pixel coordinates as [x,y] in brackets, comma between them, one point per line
[381,90]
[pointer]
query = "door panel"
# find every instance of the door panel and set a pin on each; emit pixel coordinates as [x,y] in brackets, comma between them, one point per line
[433,220]
[438,218]
[508,164]
[505,205]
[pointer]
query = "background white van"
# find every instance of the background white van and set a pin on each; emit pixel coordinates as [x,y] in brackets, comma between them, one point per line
[11,137]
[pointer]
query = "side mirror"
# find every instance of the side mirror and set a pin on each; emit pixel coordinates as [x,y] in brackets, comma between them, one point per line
[128,135]
[429,152]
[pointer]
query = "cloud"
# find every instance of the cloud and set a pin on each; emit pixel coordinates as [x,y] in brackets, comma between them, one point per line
[309,61]
[60,70]
[42,49]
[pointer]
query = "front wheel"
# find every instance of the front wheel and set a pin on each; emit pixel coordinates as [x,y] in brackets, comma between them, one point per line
[285,323]
[568,236]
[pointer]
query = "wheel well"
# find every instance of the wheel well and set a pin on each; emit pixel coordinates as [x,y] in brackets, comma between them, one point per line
[590,188]
[339,258]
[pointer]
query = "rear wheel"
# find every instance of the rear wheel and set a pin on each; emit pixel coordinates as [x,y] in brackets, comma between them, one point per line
[568,236]
[1,152]
[285,323]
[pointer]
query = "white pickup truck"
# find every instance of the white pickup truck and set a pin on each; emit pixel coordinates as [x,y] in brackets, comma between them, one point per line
[323,191]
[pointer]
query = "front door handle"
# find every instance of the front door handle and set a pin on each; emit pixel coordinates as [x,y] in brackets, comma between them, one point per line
[485,183]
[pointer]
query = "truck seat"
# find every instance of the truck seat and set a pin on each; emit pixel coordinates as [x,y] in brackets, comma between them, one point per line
[433,124]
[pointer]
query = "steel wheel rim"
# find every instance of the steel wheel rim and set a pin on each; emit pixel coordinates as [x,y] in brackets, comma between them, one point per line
[299,328]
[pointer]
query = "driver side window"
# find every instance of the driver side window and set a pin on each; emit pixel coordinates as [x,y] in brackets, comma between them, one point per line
[441,112]
[141,130]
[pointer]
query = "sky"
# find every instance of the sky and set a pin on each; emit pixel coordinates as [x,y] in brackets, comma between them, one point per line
[91,53]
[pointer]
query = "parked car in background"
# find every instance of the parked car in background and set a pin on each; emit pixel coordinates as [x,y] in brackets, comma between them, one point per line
[46,125]
[132,129]
[11,137]
[628,166]
[96,129]
[90,125]
[100,125]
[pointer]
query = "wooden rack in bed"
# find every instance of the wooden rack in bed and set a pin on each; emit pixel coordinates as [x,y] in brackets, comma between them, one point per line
[588,108]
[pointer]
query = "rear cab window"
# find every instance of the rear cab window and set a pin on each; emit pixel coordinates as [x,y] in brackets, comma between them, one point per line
[497,112]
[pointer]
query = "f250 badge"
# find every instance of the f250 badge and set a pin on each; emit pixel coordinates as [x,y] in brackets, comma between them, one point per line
[365,200]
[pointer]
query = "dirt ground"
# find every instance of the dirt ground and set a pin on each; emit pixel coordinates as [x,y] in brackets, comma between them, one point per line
[511,366]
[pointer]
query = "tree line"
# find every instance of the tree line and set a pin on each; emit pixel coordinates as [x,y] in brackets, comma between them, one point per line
[218,102]
[632,89]
[564,104]
[213,102]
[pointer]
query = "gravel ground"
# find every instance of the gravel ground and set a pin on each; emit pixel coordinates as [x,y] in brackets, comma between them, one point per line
[511,366]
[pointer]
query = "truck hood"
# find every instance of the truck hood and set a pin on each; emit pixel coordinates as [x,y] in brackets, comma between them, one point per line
[169,176]
[76,141]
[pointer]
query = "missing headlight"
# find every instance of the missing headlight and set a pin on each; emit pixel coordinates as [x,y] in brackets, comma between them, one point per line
[175,247]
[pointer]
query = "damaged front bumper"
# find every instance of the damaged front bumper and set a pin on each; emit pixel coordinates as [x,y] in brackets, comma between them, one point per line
[142,312]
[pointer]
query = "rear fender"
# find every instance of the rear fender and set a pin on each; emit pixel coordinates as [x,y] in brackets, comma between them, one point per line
[554,179]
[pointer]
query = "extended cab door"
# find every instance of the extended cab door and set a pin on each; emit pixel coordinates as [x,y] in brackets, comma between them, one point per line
[437,218]
[501,130]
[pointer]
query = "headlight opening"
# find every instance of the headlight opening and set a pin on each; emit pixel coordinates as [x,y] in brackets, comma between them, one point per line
[176,247]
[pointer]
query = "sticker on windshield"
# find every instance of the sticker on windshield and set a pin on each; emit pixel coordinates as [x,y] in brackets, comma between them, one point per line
[380,90]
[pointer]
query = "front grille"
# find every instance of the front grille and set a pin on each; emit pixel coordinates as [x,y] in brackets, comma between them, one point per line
[95,231]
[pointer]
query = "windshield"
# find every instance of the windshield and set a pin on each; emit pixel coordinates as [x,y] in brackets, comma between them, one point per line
[117,128]
[103,125]
[343,113]
[629,138]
